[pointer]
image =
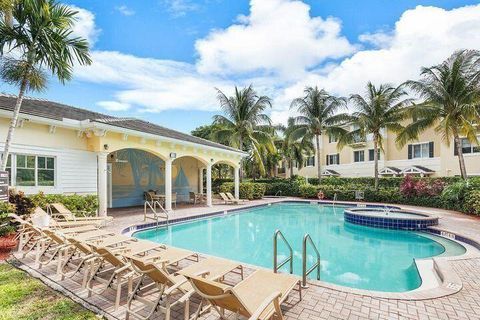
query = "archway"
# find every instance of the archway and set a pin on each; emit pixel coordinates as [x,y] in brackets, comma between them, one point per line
[187,177]
[131,172]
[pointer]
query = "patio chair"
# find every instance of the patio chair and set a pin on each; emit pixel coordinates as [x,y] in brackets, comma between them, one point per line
[168,286]
[257,297]
[226,200]
[64,213]
[232,198]
[116,276]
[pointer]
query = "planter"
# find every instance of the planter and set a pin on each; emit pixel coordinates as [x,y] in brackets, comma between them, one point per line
[7,244]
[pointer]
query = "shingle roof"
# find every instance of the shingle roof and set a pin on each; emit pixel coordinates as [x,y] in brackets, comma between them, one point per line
[57,111]
[394,169]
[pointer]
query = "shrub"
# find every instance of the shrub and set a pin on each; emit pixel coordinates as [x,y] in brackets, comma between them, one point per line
[283,188]
[23,204]
[248,190]
[6,227]
[86,204]
[308,191]
[471,203]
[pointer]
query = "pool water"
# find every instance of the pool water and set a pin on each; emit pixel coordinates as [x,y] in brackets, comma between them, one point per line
[351,255]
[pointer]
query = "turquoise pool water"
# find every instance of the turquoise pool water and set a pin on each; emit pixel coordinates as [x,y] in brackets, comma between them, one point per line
[351,255]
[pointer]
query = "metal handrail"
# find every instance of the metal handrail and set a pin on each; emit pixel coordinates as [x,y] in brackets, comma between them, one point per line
[316,266]
[278,192]
[277,265]
[154,211]
[334,199]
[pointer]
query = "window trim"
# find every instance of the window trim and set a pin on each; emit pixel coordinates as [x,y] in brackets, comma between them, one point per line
[359,151]
[310,165]
[472,146]
[420,143]
[13,169]
[336,156]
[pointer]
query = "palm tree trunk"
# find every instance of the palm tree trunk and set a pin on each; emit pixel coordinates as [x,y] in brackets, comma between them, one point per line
[240,145]
[319,161]
[13,123]
[375,159]
[461,159]
[290,163]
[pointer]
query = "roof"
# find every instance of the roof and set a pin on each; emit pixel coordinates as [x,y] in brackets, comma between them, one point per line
[417,169]
[57,111]
[330,172]
[390,170]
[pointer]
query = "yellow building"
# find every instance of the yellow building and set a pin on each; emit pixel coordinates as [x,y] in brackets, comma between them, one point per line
[428,156]
[62,149]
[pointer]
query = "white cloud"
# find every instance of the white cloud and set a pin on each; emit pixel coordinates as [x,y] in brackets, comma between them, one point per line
[179,8]
[126,11]
[85,25]
[279,37]
[423,36]
[280,49]
[114,105]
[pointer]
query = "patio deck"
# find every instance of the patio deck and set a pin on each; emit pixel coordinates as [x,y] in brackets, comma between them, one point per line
[319,301]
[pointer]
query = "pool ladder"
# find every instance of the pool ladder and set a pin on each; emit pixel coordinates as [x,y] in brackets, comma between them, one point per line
[155,215]
[305,272]
[277,265]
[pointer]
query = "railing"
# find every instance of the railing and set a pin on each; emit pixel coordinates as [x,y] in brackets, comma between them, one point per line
[153,205]
[279,192]
[277,265]
[316,265]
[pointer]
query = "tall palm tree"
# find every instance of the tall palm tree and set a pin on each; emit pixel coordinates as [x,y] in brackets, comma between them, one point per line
[294,150]
[318,115]
[244,124]
[451,96]
[41,38]
[381,108]
[6,7]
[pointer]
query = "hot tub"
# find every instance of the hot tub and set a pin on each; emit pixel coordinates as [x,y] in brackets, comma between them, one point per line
[390,218]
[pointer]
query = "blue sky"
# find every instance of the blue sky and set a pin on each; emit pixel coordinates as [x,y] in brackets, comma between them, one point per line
[159,60]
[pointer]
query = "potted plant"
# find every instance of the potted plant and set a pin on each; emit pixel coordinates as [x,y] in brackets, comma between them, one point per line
[8,240]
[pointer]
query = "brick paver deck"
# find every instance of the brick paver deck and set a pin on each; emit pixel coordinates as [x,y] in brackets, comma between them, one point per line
[319,302]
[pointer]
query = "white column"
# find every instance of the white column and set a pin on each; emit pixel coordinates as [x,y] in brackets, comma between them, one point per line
[168,184]
[200,180]
[237,182]
[209,185]
[102,183]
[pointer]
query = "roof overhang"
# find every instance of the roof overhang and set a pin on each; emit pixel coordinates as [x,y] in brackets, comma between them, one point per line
[91,125]
[330,173]
[389,171]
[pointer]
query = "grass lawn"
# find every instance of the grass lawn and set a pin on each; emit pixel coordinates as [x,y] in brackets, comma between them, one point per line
[24,297]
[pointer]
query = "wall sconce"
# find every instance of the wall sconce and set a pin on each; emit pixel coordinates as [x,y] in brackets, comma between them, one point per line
[105,147]
[173,155]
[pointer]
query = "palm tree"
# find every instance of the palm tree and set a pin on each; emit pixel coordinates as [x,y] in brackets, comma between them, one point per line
[41,39]
[6,7]
[382,108]
[244,125]
[451,96]
[294,150]
[318,115]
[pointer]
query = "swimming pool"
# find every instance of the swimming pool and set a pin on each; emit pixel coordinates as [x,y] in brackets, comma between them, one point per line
[351,255]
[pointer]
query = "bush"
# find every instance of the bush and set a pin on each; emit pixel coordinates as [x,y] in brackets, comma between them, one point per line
[86,204]
[283,188]
[6,227]
[308,191]
[471,203]
[248,190]
[23,204]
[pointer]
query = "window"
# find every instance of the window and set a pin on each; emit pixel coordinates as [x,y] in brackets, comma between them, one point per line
[25,170]
[371,154]
[310,161]
[333,159]
[46,171]
[359,156]
[467,147]
[8,168]
[420,150]
[31,171]
[332,139]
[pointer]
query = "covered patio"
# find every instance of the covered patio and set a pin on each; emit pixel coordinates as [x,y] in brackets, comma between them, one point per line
[173,166]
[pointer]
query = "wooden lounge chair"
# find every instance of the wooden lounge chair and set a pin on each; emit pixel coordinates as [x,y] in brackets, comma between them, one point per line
[233,199]
[257,297]
[226,200]
[59,211]
[116,276]
[167,286]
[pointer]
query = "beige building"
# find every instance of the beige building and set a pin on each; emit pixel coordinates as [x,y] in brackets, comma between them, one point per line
[428,156]
[62,149]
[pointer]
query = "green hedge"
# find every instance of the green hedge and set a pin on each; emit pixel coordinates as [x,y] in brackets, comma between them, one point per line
[87,204]
[248,190]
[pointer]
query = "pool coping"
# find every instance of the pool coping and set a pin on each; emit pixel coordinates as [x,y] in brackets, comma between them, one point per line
[450,282]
